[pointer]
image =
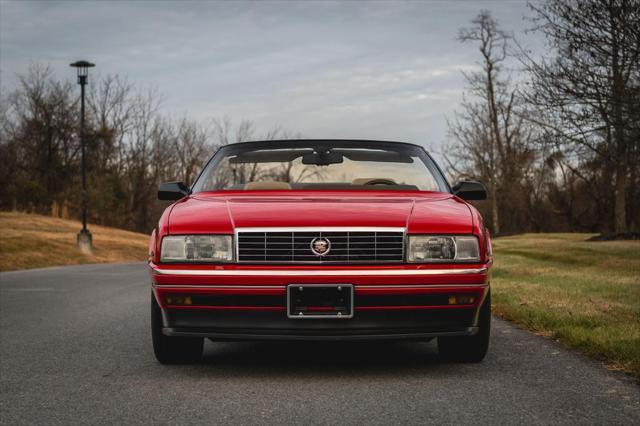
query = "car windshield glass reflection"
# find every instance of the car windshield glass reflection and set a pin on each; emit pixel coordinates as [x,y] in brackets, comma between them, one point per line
[318,167]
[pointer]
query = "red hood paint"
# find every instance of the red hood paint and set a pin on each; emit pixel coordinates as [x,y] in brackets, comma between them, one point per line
[419,212]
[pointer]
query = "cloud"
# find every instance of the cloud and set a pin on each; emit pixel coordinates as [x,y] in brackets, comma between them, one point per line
[380,70]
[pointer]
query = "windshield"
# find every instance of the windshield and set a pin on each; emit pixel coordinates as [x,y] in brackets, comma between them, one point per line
[321,165]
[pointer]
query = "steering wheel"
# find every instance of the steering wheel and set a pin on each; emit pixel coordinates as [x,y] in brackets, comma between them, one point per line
[381,182]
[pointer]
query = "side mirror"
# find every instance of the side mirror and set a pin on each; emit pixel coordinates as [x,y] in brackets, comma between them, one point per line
[172,191]
[469,190]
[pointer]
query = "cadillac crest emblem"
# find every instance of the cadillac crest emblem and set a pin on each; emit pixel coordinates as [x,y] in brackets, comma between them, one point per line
[320,246]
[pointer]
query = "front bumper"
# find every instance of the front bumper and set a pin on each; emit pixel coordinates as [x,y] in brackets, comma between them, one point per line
[240,303]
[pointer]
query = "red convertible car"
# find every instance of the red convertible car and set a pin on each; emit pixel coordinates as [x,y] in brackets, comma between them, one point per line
[320,240]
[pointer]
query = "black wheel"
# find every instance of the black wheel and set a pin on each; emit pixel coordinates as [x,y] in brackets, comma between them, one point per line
[469,348]
[172,350]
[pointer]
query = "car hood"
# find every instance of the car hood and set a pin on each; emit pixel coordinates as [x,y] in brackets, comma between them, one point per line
[222,212]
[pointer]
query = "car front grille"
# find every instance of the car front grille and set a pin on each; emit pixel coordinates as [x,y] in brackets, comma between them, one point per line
[345,246]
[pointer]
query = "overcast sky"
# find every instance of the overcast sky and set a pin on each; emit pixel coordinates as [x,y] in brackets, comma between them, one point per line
[373,70]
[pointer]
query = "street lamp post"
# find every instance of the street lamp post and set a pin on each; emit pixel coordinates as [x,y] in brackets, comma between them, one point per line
[84,238]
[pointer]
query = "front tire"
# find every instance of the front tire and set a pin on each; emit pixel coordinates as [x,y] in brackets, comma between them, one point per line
[469,348]
[172,350]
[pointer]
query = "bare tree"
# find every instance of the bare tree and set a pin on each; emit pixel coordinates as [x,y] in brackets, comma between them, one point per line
[132,147]
[40,132]
[493,48]
[491,138]
[111,107]
[587,94]
[192,145]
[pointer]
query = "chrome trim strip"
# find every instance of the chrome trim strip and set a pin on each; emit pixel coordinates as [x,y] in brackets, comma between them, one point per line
[316,272]
[421,286]
[221,287]
[284,286]
[324,229]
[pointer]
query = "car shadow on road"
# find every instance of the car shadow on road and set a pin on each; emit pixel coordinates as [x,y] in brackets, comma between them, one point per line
[313,358]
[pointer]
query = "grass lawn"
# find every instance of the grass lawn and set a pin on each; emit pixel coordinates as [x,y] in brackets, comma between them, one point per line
[584,294]
[34,241]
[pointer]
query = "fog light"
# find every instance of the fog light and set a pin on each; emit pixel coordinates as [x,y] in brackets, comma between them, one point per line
[461,299]
[178,300]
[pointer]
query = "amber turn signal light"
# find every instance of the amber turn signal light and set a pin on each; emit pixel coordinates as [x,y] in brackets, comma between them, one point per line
[178,300]
[462,299]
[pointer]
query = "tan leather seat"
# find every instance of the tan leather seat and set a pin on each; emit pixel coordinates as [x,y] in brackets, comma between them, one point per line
[364,181]
[266,185]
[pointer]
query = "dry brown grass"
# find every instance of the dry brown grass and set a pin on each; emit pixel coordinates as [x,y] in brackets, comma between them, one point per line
[35,241]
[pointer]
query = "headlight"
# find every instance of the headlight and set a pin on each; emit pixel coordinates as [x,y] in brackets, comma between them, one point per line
[436,248]
[197,248]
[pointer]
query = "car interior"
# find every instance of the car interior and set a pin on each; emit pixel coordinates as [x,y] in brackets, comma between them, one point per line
[321,157]
[360,183]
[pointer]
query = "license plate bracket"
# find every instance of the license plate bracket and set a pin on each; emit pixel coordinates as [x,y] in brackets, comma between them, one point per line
[326,301]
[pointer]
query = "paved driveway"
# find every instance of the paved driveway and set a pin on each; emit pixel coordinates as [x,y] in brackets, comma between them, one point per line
[75,348]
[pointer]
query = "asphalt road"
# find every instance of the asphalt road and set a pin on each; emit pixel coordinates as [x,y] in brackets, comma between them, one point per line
[75,349]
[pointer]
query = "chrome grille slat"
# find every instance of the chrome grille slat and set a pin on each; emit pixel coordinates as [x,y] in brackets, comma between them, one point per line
[347,246]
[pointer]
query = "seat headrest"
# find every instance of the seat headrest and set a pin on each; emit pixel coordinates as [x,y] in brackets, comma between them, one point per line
[364,181]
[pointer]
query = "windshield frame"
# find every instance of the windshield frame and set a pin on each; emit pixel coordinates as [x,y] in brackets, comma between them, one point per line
[239,147]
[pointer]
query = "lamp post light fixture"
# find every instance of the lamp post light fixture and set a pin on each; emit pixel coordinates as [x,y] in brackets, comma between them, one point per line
[84,239]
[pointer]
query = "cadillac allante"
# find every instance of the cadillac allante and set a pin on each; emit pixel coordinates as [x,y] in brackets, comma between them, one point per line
[320,240]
